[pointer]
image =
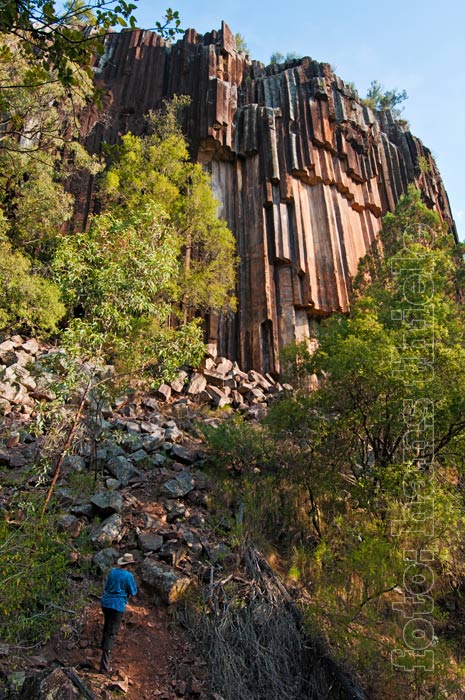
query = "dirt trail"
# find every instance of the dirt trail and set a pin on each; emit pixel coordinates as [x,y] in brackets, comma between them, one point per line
[152,657]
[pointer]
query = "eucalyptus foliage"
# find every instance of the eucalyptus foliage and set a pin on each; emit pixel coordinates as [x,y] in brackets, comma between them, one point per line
[156,168]
[120,279]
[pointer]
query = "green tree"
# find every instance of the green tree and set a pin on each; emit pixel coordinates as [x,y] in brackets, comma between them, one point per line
[367,462]
[277,57]
[241,43]
[38,150]
[379,98]
[28,301]
[120,278]
[138,276]
[156,169]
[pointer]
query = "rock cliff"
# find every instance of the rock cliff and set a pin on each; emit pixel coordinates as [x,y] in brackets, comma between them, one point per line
[303,172]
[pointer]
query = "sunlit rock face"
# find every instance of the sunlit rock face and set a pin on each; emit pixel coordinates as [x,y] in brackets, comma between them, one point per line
[302,170]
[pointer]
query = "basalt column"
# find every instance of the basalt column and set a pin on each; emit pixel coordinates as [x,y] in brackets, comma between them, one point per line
[302,170]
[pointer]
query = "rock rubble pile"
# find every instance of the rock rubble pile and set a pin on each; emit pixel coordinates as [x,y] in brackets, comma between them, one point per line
[139,485]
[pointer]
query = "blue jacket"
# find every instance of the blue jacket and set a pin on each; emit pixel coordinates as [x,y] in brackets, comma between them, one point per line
[119,585]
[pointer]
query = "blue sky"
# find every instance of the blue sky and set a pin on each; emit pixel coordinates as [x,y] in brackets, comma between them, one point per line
[416,45]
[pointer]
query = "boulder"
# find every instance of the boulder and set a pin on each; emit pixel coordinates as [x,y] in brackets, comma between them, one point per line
[150,403]
[214,378]
[212,350]
[6,346]
[193,542]
[112,484]
[173,552]
[187,455]
[208,363]
[172,433]
[255,395]
[74,463]
[236,399]
[139,457]
[152,429]
[28,382]
[197,384]
[150,541]
[5,406]
[105,559]
[64,496]
[22,396]
[108,502]
[179,486]
[174,511]
[59,684]
[238,373]
[31,346]
[163,392]
[158,460]
[70,524]
[82,510]
[111,530]
[152,442]
[259,379]
[23,358]
[245,387]
[178,384]
[219,398]
[223,365]
[167,583]
[122,469]
[8,391]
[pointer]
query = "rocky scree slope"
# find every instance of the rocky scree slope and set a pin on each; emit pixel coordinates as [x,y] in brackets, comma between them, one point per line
[149,497]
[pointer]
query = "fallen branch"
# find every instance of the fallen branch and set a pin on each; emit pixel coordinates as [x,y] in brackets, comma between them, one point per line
[257,643]
[66,446]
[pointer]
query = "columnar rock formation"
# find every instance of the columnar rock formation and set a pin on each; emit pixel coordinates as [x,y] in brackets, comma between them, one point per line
[303,172]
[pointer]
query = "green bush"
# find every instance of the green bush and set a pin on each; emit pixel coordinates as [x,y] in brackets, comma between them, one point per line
[28,301]
[33,579]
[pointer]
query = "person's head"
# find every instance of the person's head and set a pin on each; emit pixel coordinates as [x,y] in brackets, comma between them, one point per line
[126,560]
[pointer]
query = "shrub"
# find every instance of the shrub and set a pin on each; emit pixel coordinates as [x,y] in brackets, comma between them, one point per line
[28,301]
[33,578]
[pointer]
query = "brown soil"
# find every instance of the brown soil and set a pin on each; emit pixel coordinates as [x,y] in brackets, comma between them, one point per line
[152,656]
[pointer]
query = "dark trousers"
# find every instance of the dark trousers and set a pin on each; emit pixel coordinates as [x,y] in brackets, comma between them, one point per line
[110,628]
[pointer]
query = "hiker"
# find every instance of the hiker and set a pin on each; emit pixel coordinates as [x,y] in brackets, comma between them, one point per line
[119,585]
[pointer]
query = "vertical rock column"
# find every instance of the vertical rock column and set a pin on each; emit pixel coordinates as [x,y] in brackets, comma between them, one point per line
[302,170]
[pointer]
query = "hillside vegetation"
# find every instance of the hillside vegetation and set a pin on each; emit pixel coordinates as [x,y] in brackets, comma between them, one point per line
[355,490]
